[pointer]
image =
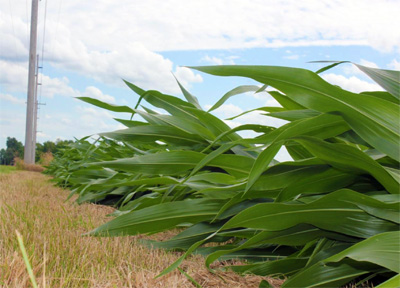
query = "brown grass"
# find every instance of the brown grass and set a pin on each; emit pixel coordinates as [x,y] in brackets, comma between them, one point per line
[21,165]
[46,158]
[51,229]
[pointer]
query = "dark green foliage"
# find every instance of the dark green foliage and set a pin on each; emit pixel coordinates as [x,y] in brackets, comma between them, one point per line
[14,149]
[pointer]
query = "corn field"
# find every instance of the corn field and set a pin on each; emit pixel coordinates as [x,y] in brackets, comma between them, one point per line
[327,218]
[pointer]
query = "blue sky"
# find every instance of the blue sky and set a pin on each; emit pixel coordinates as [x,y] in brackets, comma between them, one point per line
[89,48]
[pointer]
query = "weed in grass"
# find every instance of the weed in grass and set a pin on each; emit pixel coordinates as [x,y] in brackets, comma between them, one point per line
[4,169]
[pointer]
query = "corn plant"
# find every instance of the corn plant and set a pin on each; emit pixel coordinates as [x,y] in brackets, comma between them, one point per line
[329,217]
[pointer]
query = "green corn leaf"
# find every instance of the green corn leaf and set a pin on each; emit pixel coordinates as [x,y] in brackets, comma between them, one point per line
[376,121]
[233,92]
[175,162]
[159,217]
[261,164]
[387,79]
[189,97]
[336,212]
[392,282]
[285,101]
[152,133]
[381,249]
[328,275]
[104,105]
[348,158]
[321,181]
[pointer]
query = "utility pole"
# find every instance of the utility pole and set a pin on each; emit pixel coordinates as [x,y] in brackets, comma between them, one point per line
[36,107]
[30,145]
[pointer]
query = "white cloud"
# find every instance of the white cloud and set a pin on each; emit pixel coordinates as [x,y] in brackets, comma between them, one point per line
[11,99]
[96,93]
[352,83]
[16,77]
[227,110]
[395,65]
[94,112]
[186,76]
[225,60]
[368,63]
[265,97]
[12,124]
[181,25]
[189,25]
[16,80]
[108,42]
[56,86]
[41,135]
[350,69]
[212,60]
[292,57]
[66,120]
[13,34]
[85,121]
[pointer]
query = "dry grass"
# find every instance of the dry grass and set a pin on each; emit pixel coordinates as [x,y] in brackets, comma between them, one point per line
[61,257]
[21,165]
[46,158]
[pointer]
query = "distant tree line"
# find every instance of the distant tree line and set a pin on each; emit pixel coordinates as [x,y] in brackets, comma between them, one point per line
[16,149]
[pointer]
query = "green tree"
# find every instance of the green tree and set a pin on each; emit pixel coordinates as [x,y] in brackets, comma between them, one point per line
[14,149]
[49,146]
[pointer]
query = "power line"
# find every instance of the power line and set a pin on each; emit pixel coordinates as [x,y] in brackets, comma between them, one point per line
[27,22]
[44,30]
[39,100]
[58,21]
[12,23]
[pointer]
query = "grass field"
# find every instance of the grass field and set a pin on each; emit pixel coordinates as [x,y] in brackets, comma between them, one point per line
[51,229]
[6,169]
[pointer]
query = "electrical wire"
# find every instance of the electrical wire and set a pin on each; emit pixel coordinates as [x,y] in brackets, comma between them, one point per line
[44,31]
[58,21]
[27,22]
[42,59]
[12,23]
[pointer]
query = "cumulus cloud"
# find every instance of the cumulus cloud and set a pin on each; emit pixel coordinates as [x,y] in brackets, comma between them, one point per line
[85,121]
[14,36]
[212,60]
[57,86]
[292,57]
[351,83]
[108,42]
[225,60]
[96,93]
[186,76]
[11,99]
[16,80]
[395,65]
[233,24]
[16,77]
[368,63]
